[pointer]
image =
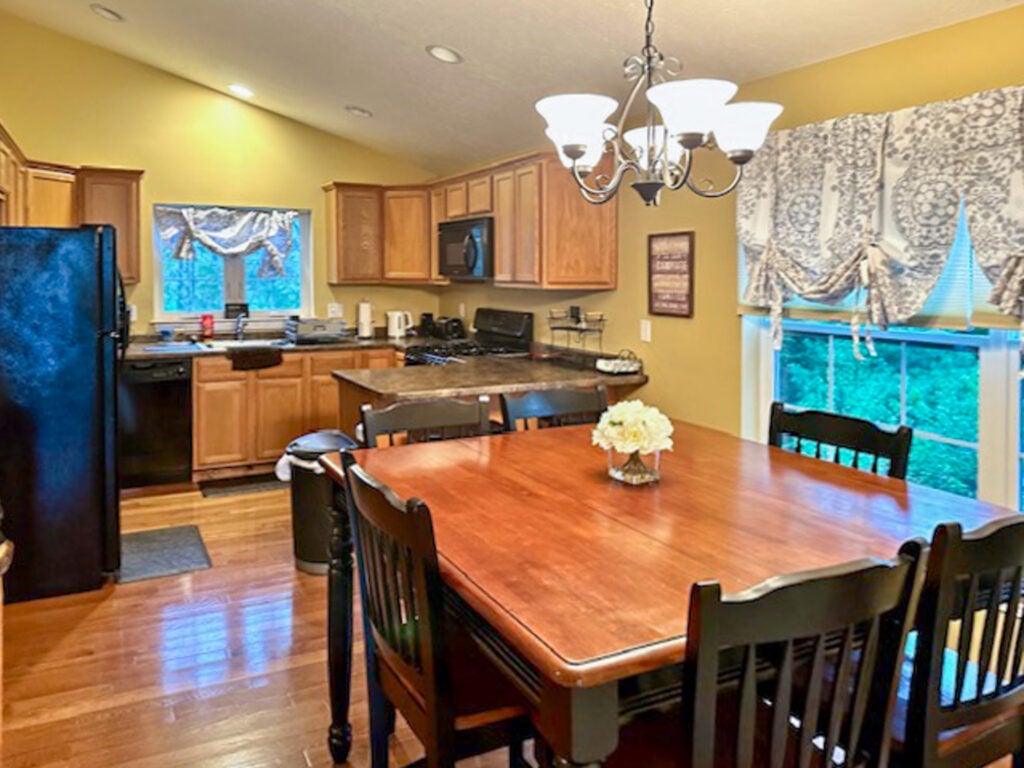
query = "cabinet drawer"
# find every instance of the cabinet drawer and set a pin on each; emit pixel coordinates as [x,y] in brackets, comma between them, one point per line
[216,369]
[325,362]
[291,368]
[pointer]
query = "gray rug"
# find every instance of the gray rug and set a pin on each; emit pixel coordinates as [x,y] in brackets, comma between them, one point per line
[237,486]
[162,552]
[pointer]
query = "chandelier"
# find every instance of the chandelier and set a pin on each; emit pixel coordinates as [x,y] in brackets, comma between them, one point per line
[682,116]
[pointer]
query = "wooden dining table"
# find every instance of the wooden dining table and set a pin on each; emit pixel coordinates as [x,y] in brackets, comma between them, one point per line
[577,586]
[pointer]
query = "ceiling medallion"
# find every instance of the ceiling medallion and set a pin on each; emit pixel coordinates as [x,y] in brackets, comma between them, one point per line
[682,116]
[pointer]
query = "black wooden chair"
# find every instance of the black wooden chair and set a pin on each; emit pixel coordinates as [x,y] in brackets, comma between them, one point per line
[554,408]
[421,421]
[801,670]
[856,436]
[418,659]
[963,712]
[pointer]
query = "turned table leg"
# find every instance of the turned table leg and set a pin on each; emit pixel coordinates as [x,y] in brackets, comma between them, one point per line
[339,628]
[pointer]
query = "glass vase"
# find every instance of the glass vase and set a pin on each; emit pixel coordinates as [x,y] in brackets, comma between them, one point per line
[633,471]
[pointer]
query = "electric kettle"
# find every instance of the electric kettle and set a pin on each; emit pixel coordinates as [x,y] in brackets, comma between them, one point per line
[399,324]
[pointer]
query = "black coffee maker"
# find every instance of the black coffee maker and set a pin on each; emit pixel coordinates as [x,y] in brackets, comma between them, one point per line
[427,326]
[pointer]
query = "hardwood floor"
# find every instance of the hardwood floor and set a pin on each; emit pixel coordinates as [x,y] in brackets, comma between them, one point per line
[223,667]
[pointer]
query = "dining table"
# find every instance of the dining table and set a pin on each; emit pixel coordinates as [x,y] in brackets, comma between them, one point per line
[576,586]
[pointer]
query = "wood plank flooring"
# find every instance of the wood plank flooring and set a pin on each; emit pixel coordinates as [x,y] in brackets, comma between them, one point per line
[218,668]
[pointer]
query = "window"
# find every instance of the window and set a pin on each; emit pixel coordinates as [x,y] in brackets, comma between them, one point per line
[208,256]
[927,379]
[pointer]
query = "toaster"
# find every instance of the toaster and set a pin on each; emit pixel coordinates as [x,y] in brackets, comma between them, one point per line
[450,328]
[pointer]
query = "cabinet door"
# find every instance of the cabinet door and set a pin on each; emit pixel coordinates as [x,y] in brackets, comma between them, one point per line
[51,198]
[279,415]
[504,226]
[220,423]
[110,196]
[580,239]
[354,234]
[479,195]
[377,358]
[324,411]
[455,197]
[406,228]
[526,267]
[436,217]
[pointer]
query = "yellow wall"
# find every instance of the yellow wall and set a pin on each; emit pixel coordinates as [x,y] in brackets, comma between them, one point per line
[69,102]
[694,364]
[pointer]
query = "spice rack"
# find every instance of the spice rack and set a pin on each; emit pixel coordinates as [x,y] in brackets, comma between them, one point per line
[582,326]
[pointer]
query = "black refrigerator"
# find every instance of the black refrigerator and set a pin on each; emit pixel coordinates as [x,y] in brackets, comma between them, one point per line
[63,328]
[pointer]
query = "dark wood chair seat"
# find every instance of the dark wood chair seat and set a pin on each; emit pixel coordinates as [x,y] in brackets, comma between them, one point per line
[857,437]
[553,408]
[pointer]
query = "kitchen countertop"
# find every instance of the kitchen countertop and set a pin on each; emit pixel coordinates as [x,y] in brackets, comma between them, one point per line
[479,376]
[137,350]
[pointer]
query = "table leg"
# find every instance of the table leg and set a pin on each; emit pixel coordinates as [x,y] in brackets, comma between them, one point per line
[339,629]
[581,725]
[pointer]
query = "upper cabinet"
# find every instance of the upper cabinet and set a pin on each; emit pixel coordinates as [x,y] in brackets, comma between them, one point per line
[112,196]
[355,245]
[51,196]
[407,234]
[13,182]
[545,234]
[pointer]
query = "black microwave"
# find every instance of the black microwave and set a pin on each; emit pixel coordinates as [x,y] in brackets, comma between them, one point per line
[465,249]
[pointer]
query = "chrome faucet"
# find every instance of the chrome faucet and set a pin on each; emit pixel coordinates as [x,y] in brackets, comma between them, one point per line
[240,322]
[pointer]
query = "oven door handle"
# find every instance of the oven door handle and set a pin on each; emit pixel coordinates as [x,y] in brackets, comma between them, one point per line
[470,252]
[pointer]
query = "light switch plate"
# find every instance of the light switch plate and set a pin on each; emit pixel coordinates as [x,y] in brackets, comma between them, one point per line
[462,309]
[335,309]
[645,330]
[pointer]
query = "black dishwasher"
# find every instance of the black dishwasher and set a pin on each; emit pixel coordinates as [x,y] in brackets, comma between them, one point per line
[155,422]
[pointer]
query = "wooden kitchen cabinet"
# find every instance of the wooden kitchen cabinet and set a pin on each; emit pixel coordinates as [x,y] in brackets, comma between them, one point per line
[504,226]
[13,182]
[355,221]
[407,234]
[324,389]
[220,422]
[478,195]
[437,215]
[51,197]
[456,200]
[279,415]
[376,358]
[112,196]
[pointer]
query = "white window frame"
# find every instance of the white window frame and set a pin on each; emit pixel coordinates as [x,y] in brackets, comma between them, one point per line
[999,363]
[235,288]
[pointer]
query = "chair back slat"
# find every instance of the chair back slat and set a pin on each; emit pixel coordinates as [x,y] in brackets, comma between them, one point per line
[842,433]
[553,408]
[821,650]
[421,421]
[973,587]
[401,587]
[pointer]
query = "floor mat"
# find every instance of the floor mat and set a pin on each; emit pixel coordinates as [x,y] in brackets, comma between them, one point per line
[162,552]
[235,486]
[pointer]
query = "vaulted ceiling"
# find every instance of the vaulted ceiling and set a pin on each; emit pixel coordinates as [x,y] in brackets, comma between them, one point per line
[310,59]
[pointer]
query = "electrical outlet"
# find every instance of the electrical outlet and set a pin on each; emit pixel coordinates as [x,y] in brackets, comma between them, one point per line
[645,330]
[335,309]
[462,309]
[133,312]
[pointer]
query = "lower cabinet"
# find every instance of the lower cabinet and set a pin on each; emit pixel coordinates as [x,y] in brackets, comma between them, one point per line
[242,421]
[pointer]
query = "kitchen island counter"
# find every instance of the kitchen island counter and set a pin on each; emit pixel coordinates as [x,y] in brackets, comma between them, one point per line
[490,375]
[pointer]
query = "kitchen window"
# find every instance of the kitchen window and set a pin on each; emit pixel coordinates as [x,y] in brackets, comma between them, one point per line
[209,256]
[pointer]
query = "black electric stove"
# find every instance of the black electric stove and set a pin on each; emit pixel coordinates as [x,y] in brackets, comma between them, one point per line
[498,332]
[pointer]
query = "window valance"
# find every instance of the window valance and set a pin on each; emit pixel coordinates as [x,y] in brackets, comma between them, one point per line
[867,206]
[228,232]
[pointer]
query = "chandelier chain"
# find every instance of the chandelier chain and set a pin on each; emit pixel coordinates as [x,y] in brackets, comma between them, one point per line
[649,50]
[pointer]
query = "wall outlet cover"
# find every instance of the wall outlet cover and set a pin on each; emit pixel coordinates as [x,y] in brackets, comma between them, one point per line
[462,309]
[335,309]
[645,330]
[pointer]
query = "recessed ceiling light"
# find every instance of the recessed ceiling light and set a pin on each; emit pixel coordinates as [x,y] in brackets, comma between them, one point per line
[354,109]
[445,54]
[106,13]
[240,91]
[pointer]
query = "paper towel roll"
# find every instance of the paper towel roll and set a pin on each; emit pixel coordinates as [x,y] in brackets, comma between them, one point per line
[364,320]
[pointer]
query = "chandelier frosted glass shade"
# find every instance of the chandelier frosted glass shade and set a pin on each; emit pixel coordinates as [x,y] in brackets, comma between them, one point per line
[637,139]
[743,126]
[593,145]
[691,107]
[576,118]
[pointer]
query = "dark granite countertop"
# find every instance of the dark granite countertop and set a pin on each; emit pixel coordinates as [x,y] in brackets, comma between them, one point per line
[480,376]
[155,350]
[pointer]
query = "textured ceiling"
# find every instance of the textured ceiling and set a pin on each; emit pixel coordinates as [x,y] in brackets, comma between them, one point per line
[308,59]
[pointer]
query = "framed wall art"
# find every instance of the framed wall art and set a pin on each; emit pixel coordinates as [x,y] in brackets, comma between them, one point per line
[670,274]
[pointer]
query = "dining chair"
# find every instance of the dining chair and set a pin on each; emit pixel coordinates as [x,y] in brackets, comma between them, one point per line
[418,659]
[421,421]
[801,670]
[554,408]
[856,436]
[966,704]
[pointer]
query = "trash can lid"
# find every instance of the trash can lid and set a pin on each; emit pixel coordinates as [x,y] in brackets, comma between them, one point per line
[314,445]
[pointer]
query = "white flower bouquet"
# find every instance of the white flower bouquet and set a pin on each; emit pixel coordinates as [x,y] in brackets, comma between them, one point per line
[633,428]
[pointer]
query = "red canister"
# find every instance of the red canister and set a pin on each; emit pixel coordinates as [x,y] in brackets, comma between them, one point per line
[206,323]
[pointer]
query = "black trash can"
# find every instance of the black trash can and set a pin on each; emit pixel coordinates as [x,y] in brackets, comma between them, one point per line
[312,497]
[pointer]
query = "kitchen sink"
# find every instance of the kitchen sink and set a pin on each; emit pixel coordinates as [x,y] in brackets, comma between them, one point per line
[236,344]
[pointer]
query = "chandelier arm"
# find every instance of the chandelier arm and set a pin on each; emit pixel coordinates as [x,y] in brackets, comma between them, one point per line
[681,172]
[714,194]
[610,188]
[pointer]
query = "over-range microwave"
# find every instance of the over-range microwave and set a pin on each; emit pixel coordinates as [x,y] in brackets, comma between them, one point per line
[465,249]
